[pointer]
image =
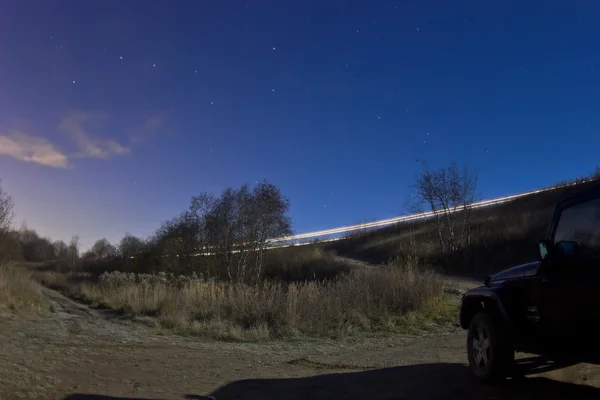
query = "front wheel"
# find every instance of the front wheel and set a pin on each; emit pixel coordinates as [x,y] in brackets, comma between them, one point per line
[490,353]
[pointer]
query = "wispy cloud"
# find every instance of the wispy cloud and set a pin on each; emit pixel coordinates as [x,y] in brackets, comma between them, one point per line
[89,146]
[78,125]
[23,147]
[147,130]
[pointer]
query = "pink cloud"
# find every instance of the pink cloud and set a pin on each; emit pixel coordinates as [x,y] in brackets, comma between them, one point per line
[35,149]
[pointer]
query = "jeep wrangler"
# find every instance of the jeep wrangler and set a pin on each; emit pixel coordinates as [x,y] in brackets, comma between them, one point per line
[549,307]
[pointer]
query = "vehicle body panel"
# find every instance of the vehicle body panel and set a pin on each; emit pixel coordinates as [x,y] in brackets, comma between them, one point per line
[548,306]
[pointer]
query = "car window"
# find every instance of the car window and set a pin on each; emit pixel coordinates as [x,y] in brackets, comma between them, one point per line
[581,223]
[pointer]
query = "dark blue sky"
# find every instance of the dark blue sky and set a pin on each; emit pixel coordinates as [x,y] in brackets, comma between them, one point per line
[114,113]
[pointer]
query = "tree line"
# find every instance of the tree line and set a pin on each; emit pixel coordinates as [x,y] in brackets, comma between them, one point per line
[226,236]
[221,236]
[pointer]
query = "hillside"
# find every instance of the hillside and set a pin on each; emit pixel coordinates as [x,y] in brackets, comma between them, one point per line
[502,235]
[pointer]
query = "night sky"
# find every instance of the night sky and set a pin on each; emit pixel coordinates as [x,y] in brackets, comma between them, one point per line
[114,113]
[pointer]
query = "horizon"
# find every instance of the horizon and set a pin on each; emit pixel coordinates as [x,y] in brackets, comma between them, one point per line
[113,116]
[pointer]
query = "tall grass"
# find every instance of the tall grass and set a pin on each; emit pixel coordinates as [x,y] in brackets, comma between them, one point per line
[19,292]
[368,300]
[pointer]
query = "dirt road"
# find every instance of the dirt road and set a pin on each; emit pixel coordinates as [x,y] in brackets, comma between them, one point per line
[79,353]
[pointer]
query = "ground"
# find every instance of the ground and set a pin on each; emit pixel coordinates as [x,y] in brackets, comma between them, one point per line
[81,353]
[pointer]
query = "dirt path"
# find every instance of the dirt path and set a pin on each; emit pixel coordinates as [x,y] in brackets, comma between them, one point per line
[77,352]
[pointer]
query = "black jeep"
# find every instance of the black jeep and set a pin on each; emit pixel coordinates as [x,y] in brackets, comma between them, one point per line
[548,307]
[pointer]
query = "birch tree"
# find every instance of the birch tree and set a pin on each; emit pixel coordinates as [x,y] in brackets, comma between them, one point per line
[448,193]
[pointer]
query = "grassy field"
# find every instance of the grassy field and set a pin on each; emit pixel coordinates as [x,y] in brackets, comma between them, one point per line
[308,291]
[396,298]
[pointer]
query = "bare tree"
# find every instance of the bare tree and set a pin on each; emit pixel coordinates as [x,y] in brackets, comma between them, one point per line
[176,242]
[102,249]
[61,249]
[7,240]
[34,247]
[74,252]
[6,211]
[238,224]
[448,193]
[230,231]
[130,246]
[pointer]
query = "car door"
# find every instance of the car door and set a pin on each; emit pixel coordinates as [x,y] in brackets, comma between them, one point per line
[571,279]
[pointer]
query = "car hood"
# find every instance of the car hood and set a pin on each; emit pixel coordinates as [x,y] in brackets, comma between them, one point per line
[520,271]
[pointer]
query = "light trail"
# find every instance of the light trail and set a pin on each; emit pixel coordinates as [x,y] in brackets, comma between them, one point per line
[406,218]
[385,222]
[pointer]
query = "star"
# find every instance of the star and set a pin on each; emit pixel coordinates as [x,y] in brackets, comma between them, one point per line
[153,65]
[212,102]
[378,117]
[346,65]
[196,71]
[274,48]
[272,90]
[73,81]
[357,31]
[427,133]
[417,28]
[120,57]
[50,37]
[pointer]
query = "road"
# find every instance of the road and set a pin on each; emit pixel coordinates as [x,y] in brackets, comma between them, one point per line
[80,353]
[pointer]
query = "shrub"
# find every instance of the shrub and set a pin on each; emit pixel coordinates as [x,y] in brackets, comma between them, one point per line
[19,292]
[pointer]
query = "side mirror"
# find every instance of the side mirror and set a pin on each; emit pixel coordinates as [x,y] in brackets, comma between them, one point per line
[544,250]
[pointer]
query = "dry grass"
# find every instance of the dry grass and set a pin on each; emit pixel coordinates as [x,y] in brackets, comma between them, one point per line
[393,298]
[19,292]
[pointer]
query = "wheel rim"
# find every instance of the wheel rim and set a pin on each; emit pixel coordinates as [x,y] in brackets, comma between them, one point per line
[481,348]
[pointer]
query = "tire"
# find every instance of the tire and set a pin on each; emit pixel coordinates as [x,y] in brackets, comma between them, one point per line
[490,359]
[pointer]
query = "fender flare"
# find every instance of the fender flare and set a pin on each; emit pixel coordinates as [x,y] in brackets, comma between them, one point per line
[485,297]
